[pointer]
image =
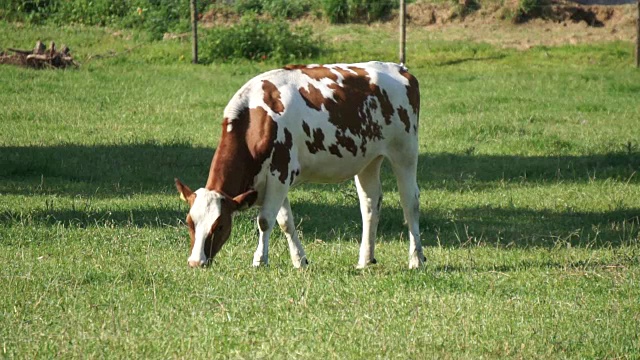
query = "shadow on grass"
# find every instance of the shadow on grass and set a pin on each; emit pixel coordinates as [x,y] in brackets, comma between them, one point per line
[117,170]
[467,227]
[101,171]
[479,226]
[122,170]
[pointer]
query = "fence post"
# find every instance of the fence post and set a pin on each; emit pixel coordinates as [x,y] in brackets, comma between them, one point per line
[638,37]
[194,31]
[403,31]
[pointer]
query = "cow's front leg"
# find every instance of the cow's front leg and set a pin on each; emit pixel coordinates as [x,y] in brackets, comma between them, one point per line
[285,220]
[275,193]
[265,225]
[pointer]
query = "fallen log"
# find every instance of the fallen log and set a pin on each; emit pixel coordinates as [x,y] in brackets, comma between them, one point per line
[22,52]
[40,57]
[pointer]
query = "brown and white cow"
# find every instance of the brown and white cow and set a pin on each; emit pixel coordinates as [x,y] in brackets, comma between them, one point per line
[315,123]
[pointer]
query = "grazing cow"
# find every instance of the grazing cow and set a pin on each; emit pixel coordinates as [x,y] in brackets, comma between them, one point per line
[315,123]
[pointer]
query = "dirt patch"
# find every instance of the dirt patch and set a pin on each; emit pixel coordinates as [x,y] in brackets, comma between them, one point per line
[557,24]
[218,15]
[424,14]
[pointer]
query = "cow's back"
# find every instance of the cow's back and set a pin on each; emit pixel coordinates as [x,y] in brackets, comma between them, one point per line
[331,120]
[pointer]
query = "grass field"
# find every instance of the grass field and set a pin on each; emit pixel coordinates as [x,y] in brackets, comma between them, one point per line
[530,211]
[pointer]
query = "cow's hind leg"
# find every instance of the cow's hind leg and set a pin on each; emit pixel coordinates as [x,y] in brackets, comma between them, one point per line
[405,170]
[370,194]
[285,220]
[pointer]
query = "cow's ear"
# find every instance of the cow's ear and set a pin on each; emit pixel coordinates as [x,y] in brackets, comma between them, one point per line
[245,200]
[184,190]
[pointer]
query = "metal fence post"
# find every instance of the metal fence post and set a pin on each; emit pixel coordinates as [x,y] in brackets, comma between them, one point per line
[194,31]
[403,31]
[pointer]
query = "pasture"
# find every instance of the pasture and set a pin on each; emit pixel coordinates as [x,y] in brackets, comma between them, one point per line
[530,205]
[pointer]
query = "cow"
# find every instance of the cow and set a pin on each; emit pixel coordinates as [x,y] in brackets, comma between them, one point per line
[309,124]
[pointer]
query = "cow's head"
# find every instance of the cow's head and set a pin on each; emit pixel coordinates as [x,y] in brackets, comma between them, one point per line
[209,220]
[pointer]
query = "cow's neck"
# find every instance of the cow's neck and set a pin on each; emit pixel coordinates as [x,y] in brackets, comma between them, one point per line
[228,172]
[241,152]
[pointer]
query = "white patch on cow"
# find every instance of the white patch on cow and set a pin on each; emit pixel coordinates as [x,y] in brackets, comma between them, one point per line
[237,104]
[204,212]
[229,127]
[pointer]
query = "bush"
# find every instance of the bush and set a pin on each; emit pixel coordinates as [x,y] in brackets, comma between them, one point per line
[375,9]
[337,11]
[248,6]
[345,11]
[530,6]
[290,9]
[155,16]
[528,9]
[259,40]
[464,7]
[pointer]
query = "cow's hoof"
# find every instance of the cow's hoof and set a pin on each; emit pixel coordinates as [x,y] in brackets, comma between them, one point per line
[417,263]
[362,265]
[260,262]
[300,264]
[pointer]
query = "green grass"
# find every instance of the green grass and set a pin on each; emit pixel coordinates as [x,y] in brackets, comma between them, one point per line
[530,211]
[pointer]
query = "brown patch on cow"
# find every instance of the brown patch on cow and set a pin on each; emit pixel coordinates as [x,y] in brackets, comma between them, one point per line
[192,231]
[317,73]
[413,91]
[350,110]
[348,143]
[359,71]
[318,141]
[272,96]
[220,230]
[312,97]
[343,72]
[241,152]
[306,128]
[333,149]
[385,104]
[404,117]
[260,134]
[294,66]
[282,156]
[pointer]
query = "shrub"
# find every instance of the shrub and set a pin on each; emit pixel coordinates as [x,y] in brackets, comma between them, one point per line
[155,16]
[344,11]
[260,40]
[530,6]
[337,11]
[528,9]
[248,6]
[289,9]
[375,9]
[462,8]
